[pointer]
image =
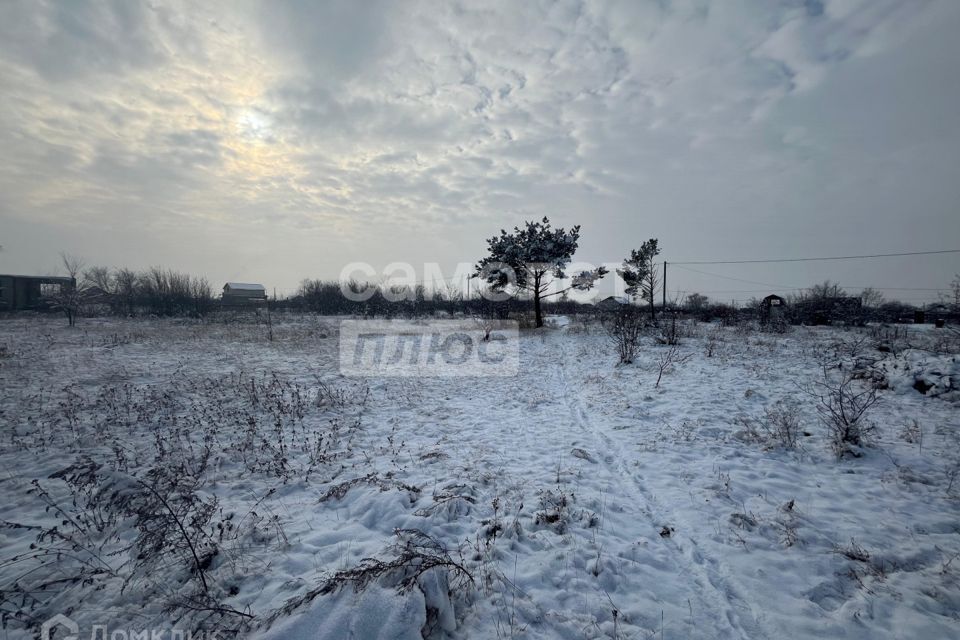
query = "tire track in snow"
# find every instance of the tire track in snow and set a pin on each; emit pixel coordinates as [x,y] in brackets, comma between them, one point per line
[716,591]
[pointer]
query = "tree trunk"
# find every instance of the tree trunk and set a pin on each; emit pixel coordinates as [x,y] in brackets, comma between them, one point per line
[536,302]
[653,288]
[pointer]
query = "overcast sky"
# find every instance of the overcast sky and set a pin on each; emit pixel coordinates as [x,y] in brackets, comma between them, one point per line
[272,141]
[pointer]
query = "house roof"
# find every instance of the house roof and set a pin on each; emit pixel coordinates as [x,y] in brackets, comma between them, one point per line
[615,299]
[245,286]
[42,278]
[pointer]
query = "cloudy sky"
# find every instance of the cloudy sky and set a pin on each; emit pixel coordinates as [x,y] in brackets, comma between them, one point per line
[271,141]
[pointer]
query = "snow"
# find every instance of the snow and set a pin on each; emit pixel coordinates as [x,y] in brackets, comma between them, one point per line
[583,501]
[912,370]
[386,615]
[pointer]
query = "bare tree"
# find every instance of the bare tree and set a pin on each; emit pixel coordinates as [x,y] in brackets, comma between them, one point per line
[101,278]
[696,302]
[955,291]
[825,290]
[69,297]
[73,265]
[202,294]
[125,287]
[870,298]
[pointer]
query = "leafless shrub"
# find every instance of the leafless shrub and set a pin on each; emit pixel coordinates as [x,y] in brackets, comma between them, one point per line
[853,551]
[624,327]
[852,346]
[340,490]
[686,431]
[913,433]
[454,500]
[743,520]
[787,524]
[723,484]
[889,338]
[843,402]
[175,527]
[888,332]
[554,510]
[408,562]
[524,320]
[668,359]
[776,324]
[486,325]
[952,472]
[710,347]
[414,553]
[863,564]
[945,566]
[743,326]
[945,343]
[778,427]
[670,332]
[579,327]
[330,396]
[132,511]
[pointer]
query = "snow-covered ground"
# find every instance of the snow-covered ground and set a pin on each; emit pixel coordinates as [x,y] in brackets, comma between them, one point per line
[162,474]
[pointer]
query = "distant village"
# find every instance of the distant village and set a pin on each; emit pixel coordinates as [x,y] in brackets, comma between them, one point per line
[167,293]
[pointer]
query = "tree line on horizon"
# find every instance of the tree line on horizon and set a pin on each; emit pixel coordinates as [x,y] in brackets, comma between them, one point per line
[523,265]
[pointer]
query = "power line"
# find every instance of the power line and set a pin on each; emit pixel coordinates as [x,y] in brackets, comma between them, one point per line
[764,291]
[739,290]
[875,255]
[787,287]
[717,275]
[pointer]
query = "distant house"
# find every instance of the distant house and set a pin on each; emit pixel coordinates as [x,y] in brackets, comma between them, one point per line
[243,294]
[612,303]
[938,314]
[772,309]
[30,292]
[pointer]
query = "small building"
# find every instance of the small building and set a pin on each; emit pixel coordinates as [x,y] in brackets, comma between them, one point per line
[19,293]
[612,303]
[243,294]
[938,314]
[772,309]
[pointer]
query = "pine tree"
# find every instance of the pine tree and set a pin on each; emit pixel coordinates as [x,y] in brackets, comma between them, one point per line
[640,273]
[530,258]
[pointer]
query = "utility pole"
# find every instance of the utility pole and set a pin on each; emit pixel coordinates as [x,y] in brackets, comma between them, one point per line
[664,286]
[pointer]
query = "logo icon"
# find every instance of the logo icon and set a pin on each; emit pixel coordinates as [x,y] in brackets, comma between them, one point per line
[59,620]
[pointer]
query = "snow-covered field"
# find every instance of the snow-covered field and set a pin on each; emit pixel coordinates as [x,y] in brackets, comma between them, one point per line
[177,475]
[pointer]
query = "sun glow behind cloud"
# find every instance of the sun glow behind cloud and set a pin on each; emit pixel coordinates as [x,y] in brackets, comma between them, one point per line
[253,126]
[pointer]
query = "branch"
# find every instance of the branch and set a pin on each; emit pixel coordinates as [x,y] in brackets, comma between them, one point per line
[186,538]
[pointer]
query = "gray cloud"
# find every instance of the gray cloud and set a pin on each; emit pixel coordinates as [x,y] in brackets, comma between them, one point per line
[384,131]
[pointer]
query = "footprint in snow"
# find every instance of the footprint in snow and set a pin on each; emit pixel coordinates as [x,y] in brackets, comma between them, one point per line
[577,452]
